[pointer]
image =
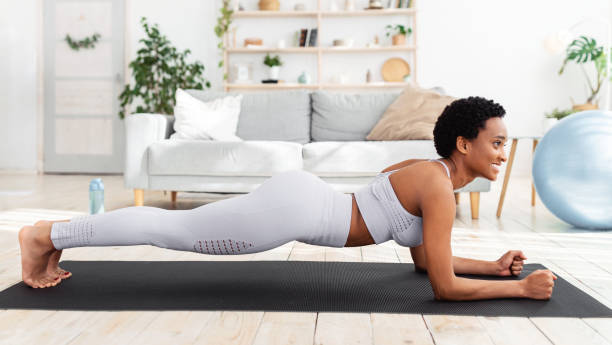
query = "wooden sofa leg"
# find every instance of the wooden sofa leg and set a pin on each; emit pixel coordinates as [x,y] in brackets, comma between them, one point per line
[138,197]
[457,198]
[173,196]
[474,203]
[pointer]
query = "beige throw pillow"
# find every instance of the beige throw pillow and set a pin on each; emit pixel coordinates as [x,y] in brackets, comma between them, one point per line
[412,116]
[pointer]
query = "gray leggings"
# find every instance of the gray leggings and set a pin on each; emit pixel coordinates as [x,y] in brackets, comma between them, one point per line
[293,205]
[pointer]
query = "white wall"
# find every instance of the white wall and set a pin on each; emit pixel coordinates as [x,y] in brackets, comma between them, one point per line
[18,85]
[477,47]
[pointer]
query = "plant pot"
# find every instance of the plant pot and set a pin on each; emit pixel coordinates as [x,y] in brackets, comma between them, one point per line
[269,5]
[585,106]
[549,122]
[399,40]
[274,72]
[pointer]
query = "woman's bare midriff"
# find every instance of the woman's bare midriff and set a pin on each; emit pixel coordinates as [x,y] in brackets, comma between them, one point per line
[358,234]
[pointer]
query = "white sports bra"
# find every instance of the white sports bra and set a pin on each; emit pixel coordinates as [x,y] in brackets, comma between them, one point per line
[385,216]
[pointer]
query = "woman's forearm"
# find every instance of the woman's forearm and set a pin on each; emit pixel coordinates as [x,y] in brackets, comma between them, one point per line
[463,289]
[472,266]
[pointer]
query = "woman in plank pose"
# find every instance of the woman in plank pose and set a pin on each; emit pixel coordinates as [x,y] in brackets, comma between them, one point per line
[411,202]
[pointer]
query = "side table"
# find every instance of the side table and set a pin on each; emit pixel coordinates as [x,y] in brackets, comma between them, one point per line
[515,140]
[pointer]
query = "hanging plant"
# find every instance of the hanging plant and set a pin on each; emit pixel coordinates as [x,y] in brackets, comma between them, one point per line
[223,23]
[86,43]
[158,70]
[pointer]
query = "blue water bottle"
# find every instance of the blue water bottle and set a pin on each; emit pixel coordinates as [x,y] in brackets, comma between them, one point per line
[96,196]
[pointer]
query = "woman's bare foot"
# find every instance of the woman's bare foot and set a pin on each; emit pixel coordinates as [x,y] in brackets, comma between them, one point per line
[52,266]
[36,251]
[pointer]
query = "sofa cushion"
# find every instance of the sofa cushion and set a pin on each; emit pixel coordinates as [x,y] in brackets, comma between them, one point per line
[346,117]
[223,158]
[360,158]
[412,116]
[279,115]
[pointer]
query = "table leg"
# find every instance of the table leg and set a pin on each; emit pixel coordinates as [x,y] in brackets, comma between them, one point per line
[533,191]
[506,177]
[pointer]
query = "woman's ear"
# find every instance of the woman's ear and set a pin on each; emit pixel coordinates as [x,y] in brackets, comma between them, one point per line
[462,144]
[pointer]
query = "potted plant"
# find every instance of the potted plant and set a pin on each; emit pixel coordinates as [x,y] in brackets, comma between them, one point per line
[223,25]
[399,34]
[554,116]
[158,70]
[581,51]
[274,63]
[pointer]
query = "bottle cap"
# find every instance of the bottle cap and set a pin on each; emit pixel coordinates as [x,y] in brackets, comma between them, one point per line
[96,184]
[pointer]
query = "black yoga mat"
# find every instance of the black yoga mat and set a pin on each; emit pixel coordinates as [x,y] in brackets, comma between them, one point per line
[278,286]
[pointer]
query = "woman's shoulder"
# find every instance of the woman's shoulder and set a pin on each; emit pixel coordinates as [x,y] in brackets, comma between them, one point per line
[425,176]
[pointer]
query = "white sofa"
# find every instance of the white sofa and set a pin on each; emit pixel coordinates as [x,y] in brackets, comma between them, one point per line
[321,132]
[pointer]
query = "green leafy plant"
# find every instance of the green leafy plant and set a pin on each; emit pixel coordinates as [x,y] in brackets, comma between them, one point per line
[86,43]
[398,29]
[158,70]
[559,114]
[583,50]
[272,61]
[223,23]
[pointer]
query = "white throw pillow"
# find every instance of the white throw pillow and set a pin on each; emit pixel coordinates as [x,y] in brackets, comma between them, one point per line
[214,120]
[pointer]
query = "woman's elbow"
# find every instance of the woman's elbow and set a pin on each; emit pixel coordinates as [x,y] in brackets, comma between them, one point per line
[420,268]
[443,292]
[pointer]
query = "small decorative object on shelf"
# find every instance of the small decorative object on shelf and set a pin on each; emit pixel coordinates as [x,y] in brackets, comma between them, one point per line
[270,81]
[304,78]
[253,41]
[242,73]
[399,34]
[281,44]
[86,43]
[269,5]
[274,63]
[394,69]
[333,6]
[349,5]
[343,42]
[299,7]
[369,77]
[373,44]
[374,5]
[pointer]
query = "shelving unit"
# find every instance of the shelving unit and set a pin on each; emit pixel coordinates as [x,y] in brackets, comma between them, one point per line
[319,51]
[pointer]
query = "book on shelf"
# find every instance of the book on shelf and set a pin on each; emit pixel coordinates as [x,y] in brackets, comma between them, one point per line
[312,37]
[303,34]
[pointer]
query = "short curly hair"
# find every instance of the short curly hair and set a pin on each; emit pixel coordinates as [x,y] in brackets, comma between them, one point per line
[463,117]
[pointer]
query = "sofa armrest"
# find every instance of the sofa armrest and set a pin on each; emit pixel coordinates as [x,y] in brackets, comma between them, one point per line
[141,130]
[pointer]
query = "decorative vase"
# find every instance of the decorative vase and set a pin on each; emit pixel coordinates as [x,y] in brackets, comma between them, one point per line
[269,5]
[585,106]
[399,40]
[304,78]
[274,70]
[549,122]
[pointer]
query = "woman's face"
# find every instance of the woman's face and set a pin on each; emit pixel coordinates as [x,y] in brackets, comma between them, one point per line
[487,152]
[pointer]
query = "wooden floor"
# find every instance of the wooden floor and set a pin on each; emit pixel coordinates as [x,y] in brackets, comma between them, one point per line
[581,257]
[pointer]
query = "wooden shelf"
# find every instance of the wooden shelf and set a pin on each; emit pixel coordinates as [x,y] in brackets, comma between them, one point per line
[375,85]
[299,50]
[273,86]
[361,13]
[368,50]
[321,52]
[314,50]
[259,14]
[356,13]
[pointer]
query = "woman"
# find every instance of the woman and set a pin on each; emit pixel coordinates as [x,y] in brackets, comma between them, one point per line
[412,202]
